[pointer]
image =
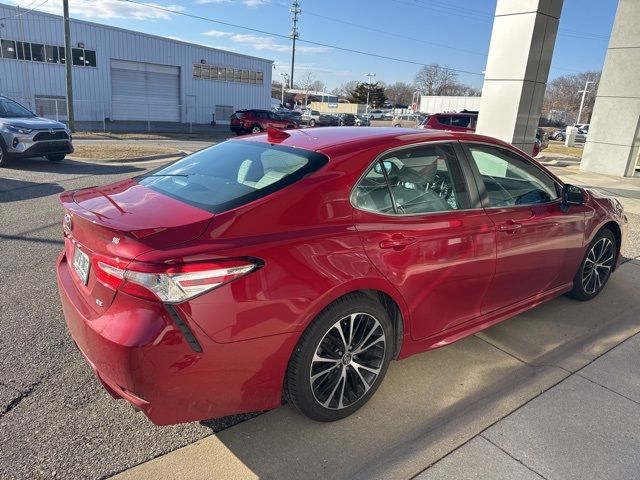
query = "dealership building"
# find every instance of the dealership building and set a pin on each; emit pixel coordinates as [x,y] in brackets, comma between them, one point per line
[124,76]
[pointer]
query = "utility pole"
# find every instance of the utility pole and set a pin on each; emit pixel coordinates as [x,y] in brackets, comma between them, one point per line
[295,11]
[368,75]
[68,64]
[584,93]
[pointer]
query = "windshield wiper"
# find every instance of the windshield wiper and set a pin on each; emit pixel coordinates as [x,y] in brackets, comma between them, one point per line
[166,175]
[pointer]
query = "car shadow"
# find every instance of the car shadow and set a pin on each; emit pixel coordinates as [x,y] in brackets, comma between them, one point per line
[70,167]
[13,190]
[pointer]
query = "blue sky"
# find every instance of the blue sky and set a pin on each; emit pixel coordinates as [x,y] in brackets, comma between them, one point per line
[452,33]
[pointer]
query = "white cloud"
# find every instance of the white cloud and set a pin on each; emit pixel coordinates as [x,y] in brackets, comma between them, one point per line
[261,43]
[92,9]
[248,3]
[216,33]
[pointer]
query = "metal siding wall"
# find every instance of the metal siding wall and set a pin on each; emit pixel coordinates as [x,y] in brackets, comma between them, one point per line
[92,86]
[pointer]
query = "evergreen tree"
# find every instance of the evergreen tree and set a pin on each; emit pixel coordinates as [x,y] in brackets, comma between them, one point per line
[376,94]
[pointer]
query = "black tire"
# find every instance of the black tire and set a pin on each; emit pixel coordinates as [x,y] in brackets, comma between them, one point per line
[256,128]
[397,125]
[596,266]
[55,158]
[560,137]
[346,386]
[312,123]
[4,157]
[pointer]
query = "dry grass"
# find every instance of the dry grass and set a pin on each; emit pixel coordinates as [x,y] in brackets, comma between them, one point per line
[145,136]
[119,152]
[560,148]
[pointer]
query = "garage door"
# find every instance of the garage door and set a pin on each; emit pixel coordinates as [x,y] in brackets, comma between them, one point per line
[144,91]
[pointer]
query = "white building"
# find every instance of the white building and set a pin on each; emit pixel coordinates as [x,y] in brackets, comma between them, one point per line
[440,104]
[122,75]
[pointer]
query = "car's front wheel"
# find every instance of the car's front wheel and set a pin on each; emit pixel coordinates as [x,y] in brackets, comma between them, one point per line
[256,129]
[560,137]
[340,359]
[55,158]
[596,267]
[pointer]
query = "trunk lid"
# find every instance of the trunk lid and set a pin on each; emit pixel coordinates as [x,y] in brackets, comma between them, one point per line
[119,222]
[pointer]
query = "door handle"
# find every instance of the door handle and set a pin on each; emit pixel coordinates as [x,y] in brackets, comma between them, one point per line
[509,226]
[397,243]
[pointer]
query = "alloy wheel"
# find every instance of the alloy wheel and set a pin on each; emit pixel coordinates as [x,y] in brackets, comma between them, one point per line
[347,361]
[597,265]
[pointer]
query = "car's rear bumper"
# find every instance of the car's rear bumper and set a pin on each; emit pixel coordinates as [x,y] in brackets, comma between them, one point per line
[139,354]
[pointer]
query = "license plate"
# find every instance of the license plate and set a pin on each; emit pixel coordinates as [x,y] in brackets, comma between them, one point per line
[81,264]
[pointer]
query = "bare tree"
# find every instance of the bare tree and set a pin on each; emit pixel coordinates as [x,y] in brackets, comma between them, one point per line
[310,83]
[435,79]
[345,89]
[562,95]
[399,93]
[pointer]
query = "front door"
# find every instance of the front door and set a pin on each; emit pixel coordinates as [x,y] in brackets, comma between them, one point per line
[413,213]
[539,244]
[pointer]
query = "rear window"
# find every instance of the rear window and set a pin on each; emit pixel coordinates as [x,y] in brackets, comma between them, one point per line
[232,174]
[239,114]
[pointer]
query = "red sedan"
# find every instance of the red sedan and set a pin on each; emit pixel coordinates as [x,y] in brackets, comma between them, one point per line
[296,265]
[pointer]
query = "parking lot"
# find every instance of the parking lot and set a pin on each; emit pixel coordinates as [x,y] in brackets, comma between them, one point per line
[58,422]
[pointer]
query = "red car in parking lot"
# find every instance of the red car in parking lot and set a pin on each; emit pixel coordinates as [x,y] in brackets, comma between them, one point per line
[295,266]
[255,121]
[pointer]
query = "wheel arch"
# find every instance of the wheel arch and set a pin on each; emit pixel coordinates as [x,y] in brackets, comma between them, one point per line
[614,228]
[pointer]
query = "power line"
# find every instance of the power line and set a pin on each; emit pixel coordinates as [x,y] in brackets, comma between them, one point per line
[277,35]
[24,12]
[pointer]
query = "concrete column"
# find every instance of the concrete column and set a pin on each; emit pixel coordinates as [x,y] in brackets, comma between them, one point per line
[613,141]
[522,41]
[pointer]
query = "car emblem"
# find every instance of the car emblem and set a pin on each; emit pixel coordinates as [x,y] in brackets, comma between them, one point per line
[51,131]
[67,221]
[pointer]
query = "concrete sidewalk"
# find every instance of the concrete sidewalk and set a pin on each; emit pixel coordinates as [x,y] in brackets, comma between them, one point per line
[509,402]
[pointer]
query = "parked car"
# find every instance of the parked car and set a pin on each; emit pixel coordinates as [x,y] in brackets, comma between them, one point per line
[541,142]
[289,265]
[558,134]
[310,117]
[376,114]
[290,115]
[409,120]
[347,119]
[581,135]
[388,115]
[362,121]
[255,121]
[23,134]
[327,120]
[454,122]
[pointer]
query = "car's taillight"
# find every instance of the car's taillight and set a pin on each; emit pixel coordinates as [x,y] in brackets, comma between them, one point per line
[175,284]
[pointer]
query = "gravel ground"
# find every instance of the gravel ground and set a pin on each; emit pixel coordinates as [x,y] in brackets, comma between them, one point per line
[55,419]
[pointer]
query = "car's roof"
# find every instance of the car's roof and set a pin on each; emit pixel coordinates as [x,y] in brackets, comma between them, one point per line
[363,138]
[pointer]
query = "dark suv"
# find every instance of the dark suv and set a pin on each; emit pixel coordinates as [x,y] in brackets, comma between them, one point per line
[254,121]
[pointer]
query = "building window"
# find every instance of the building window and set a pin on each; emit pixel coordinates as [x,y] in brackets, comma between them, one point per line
[8,48]
[51,54]
[223,74]
[38,52]
[24,50]
[89,58]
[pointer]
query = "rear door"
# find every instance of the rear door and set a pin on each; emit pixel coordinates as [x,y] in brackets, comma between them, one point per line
[539,244]
[421,228]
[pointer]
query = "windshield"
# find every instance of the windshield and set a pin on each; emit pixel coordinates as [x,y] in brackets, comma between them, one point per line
[11,109]
[232,174]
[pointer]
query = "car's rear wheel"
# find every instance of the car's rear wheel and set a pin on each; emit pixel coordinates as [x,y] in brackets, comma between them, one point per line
[560,137]
[256,129]
[55,158]
[595,269]
[340,359]
[312,123]
[4,159]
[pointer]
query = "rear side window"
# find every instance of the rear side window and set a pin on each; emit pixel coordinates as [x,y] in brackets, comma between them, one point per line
[232,174]
[444,119]
[460,121]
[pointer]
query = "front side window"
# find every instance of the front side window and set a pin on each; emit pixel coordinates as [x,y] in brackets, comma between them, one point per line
[444,119]
[510,179]
[423,179]
[232,174]
[460,121]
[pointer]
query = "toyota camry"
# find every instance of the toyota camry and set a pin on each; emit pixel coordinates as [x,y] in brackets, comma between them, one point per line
[294,266]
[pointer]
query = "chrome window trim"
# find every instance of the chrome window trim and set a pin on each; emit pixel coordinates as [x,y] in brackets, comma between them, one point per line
[396,215]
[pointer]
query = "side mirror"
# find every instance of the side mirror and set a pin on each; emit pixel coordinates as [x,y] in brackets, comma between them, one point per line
[572,195]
